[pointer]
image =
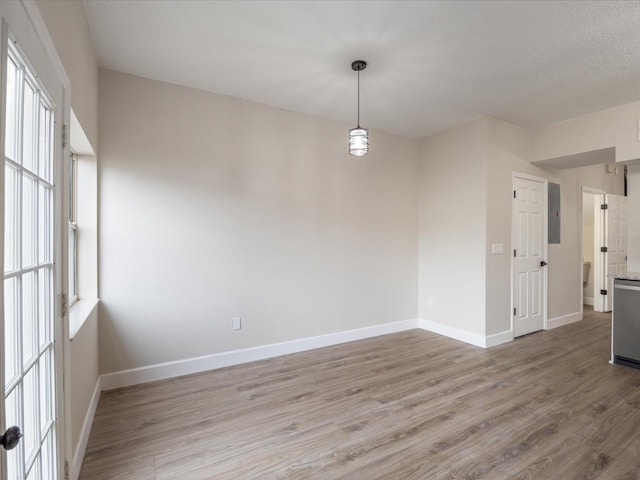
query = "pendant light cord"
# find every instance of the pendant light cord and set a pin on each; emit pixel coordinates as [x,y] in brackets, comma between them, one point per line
[358,98]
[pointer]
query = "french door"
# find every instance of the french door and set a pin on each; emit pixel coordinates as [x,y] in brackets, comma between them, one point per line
[31,327]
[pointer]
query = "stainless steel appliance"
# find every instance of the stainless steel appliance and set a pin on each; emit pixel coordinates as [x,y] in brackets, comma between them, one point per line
[626,322]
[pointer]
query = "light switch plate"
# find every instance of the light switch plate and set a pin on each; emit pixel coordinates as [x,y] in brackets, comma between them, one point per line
[497,248]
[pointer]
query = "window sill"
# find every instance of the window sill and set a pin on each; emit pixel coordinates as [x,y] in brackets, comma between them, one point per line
[78,314]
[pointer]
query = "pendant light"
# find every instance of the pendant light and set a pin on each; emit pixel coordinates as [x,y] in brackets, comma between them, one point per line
[358,137]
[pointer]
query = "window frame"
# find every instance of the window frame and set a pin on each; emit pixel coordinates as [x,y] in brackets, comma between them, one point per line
[73,229]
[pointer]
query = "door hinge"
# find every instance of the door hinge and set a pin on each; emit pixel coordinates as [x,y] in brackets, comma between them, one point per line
[514,311]
[514,252]
[603,292]
[604,249]
[66,470]
[63,305]
[604,206]
[514,194]
[64,135]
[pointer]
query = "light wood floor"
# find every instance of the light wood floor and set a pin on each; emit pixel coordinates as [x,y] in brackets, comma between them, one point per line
[412,405]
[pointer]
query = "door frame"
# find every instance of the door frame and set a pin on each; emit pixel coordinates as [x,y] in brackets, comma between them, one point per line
[23,19]
[545,227]
[604,303]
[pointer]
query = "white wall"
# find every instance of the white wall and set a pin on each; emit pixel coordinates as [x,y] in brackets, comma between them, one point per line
[452,216]
[213,207]
[633,244]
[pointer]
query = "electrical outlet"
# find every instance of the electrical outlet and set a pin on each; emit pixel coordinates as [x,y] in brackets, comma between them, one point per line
[237,323]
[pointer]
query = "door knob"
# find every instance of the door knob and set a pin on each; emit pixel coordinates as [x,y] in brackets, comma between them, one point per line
[543,263]
[11,438]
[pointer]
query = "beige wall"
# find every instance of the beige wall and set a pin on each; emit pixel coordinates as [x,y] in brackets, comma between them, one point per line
[633,245]
[615,127]
[213,207]
[67,24]
[465,201]
[509,147]
[68,28]
[566,257]
[508,150]
[452,216]
[84,372]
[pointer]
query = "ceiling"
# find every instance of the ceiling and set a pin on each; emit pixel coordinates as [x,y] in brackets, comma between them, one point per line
[432,65]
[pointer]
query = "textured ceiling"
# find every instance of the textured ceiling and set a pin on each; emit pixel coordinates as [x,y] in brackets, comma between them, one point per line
[432,65]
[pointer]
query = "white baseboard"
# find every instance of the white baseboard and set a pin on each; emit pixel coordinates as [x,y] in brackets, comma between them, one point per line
[498,338]
[78,455]
[209,362]
[467,337]
[161,371]
[453,332]
[564,320]
[587,301]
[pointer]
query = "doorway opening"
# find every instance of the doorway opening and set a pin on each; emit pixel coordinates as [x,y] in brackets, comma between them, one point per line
[589,257]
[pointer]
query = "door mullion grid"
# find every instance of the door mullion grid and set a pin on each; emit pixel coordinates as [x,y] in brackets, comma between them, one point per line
[33,460]
[17,273]
[39,270]
[19,263]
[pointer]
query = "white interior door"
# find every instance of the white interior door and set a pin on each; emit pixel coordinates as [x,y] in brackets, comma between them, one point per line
[30,323]
[529,254]
[612,245]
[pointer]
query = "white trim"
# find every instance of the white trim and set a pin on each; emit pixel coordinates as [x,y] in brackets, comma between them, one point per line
[161,371]
[526,176]
[33,11]
[587,301]
[545,226]
[564,320]
[81,447]
[78,314]
[466,336]
[455,333]
[55,68]
[599,261]
[498,338]
[209,362]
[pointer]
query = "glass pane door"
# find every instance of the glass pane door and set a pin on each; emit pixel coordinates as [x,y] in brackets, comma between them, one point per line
[29,381]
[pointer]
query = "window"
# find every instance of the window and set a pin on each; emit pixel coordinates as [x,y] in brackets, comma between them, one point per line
[73,229]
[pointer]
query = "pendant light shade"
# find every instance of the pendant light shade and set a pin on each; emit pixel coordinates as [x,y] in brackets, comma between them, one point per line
[358,141]
[358,137]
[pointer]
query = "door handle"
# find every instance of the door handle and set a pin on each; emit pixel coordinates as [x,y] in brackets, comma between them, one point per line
[11,438]
[543,263]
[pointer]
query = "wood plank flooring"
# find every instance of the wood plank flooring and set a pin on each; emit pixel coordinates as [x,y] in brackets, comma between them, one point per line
[412,405]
